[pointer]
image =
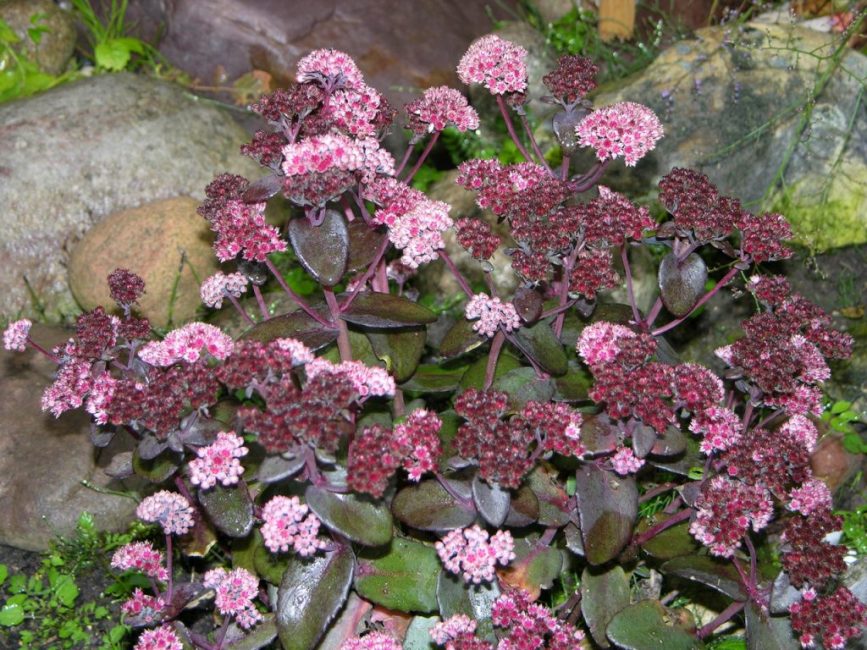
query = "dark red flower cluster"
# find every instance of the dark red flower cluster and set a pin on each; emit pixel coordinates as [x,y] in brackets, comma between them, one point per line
[574,77]
[527,625]
[286,105]
[643,392]
[772,290]
[777,461]
[253,364]
[762,236]
[125,287]
[697,205]
[593,271]
[807,558]
[696,388]
[832,619]
[266,148]
[532,266]
[95,333]
[314,415]
[374,457]
[611,219]
[476,236]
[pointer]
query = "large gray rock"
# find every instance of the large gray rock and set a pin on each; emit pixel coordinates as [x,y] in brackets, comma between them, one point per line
[399,45]
[79,152]
[738,106]
[43,459]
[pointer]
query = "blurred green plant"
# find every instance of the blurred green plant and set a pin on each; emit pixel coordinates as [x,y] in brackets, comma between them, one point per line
[20,75]
[840,417]
[112,48]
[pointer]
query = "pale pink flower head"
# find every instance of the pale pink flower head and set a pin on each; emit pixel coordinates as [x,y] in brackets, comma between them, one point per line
[16,334]
[235,591]
[100,396]
[802,429]
[721,428]
[625,462]
[140,556]
[355,110]
[368,381]
[376,160]
[811,496]
[144,607]
[626,130]
[289,523]
[453,628]
[301,354]
[70,387]
[815,368]
[598,343]
[242,230]
[499,65]
[419,232]
[419,438]
[170,510]
[473,554]
[188,343]
[492,314]
[438,108]
[319,154]
[372,641]
[160,638]
[218,462]
[725,511]
[221,285]
[329,68]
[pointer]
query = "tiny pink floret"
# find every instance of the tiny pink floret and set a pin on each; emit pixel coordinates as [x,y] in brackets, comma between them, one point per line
[492,314]
[170,510]
[161,638]
[598,343]
[472,554]
[16,334]
[221,285]
[235,591]
[288,523]
[499,65]
[218,462]
[188,343]
[626,130]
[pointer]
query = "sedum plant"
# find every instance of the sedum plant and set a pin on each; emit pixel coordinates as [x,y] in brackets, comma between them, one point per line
[330,461]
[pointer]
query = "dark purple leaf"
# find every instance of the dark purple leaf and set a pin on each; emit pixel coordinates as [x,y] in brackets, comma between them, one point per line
[356,517]
[454,596]
[768,632]
[607,509]
[541,345]
[402,576]
[599,434]
[311,594]
[295,325]
[724,246]
[400,350]
[461,338]
[523,508]
[528,303]
[716,574]
[551,494]
[671,543]
[648,625]
[681,285]
[155,470]
[324,249]
[666,230]
[364,243]
[603,594]
[184,594]
[643,439]
[491,501]
[574,541]
[682,463]
[384,310]
[229,508]
[671,443]
[276,468]
[263,189]
[783,594]
[100,437]
[427,506]
[149,447]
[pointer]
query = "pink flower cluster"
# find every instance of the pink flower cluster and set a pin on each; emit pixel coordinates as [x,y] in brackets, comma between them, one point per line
[419,232]
[15,335]
[99,397]
[801,429]
[497,64]
[721,428]
[188,343]
[372,641]
[528,624]
[319,154]
[492,314]
[599,342]
[832,619]
[288,522]
[625,462]
[299,352]
[328,66]
[221,285]
[242,230]
[438,108]
[811,496]
[140,556]
[368,381]
[473,554]
[143,607]
[218,462]
[453,629]
[161,638]
[419,438]
[235,591]
[170,510]
[69,388]
[725,511]
[625,130]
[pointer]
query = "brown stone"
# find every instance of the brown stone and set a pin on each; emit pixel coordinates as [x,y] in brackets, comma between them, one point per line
[165,242]
[43,459]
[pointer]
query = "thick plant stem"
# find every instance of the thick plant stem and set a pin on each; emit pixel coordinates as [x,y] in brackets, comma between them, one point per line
[422,157]
[493,355]
[260,300]
[510,127]
[564,167]
[724,616]
[294,296]
[240,309]
[405,159]
[342,331]
[533,142]
[42,350]
[584,183]
[710,294]
[654,530]
[564,289]
[458,275]
[371,269]
[624,257]
[170,588]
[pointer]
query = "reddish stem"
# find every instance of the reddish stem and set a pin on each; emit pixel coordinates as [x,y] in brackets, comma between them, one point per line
[42,350]
[724,616]
[405,159]
[624,257]
[458,275]
[654,530]
[342,331]
[240,309]
[260,301]
[422,157]
[294,296]
[367,274]
[510,127]
[710,294]
[533,142]
[493,355]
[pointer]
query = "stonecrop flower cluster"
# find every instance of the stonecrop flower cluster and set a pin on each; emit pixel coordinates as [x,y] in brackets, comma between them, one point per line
[361,454]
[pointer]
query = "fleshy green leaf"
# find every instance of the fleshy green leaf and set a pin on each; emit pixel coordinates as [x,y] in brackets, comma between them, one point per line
[310,595]
[229,508]
[430,378]
[295,325]
[534,567]
[263,633]
[541,345]
[402,577]
[607,508]
[461,338]
[11,614]
[523,508]
[418,633]
[603,594]
[647,625]
[384,310]
[427,506]
[550,494]
[706,570]
[356,517]
[670,543]
[400,350]
[158,469]
[454,596]
[323,250]
[251,553]
[475,374]
[523,385]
